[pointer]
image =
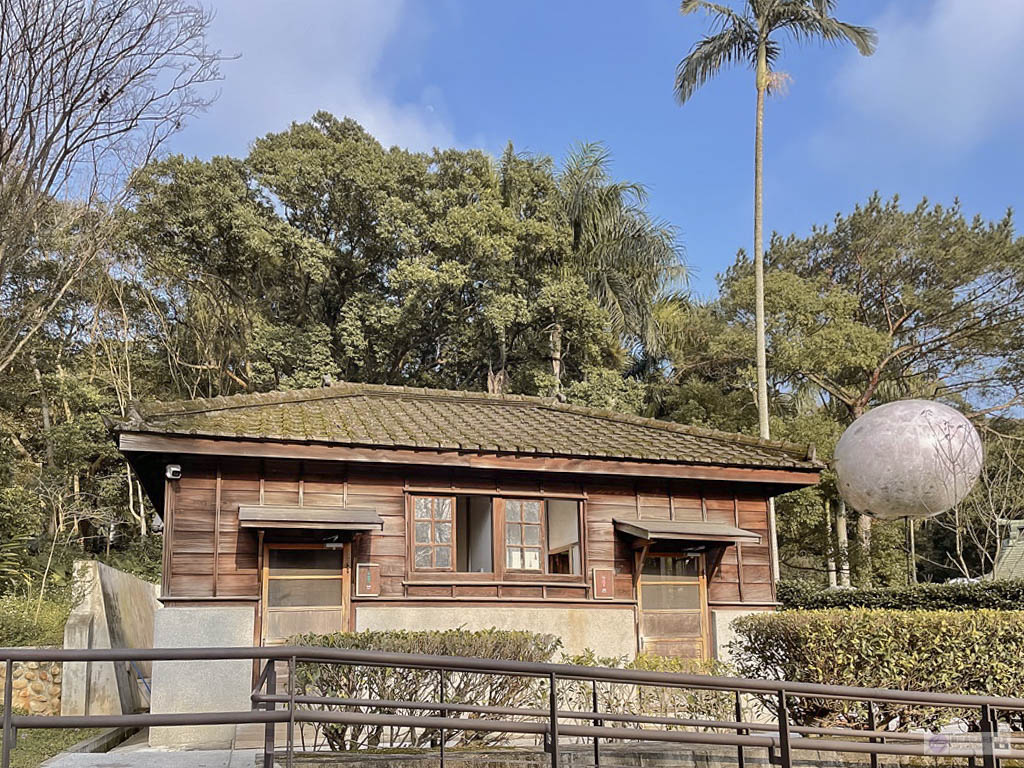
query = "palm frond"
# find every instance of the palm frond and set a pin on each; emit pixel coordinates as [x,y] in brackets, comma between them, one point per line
[806,21]
[711,54]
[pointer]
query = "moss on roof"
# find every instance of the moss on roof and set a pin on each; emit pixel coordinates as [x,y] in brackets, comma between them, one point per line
[370,415]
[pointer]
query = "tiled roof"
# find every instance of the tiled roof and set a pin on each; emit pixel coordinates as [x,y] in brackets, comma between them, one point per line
[1010,562]
[370,415]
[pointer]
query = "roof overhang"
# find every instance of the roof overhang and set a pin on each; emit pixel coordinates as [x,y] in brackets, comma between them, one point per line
[779,479]
[685,530]
[309,518]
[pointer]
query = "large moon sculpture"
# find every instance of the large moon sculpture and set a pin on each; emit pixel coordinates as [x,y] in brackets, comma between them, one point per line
[909,458]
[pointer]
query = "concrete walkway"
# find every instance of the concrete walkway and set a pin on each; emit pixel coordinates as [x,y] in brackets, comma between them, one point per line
[158,758]
[136,753]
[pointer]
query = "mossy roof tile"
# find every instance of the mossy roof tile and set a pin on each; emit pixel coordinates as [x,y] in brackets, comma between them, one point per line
[399,417]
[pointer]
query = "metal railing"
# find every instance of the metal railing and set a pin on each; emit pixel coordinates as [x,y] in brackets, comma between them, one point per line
[270,707]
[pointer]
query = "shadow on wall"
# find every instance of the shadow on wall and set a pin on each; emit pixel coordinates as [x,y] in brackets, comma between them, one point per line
[113,610]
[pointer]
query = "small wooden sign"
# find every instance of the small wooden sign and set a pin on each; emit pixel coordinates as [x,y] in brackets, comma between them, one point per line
[604,583]
[367,579]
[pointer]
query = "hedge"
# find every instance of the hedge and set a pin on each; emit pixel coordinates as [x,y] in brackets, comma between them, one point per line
[963,652]
[20,626]
[1007,595]
[650,700]
[342,681]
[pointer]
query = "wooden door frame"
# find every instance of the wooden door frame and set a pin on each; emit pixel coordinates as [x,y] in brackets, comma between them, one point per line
[702,582]
[347,619]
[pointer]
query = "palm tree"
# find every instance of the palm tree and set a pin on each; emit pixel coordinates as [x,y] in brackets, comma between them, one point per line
[626,257]
[751,36]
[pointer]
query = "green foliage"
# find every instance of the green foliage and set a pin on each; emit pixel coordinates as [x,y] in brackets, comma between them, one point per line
[24,621]
[343,681]
[36,746]
[1006,595]
[964,652]
[650,700]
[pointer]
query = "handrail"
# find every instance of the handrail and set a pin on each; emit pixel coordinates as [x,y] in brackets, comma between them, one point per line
[270,707]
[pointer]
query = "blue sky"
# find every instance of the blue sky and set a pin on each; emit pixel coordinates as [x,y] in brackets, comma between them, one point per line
[937,112]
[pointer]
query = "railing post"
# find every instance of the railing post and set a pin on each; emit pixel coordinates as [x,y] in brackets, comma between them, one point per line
[291,709]
[596,707]
[8,706]
[553,727]
[785,757]
[443,710]
[268,733]
[988,728]
[739,731]
[871,727]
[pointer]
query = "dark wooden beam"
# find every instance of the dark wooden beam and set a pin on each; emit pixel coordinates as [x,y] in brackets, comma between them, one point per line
[136,442]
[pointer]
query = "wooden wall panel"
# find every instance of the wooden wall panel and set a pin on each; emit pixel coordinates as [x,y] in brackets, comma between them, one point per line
[736,574]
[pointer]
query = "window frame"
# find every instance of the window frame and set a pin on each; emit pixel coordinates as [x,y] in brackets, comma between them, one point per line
[411,527]
[500,573]
[542,545]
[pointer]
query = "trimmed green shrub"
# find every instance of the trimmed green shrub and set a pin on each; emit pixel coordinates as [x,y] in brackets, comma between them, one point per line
[649,700]
[1006,595]
[964,652]
[19,625]
[341,681]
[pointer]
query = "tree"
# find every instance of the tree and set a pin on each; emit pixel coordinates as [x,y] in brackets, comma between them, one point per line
[90,90]
[625,257]
[751,37]
[890,303]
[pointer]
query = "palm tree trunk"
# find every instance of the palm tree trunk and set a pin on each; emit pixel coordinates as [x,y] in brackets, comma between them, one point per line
[761,358]
[843,544]
[759,331]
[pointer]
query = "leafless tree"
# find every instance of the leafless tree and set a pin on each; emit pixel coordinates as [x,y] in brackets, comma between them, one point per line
[89,90]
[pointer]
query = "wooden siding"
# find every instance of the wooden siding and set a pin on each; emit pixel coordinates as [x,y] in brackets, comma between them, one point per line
[208,556]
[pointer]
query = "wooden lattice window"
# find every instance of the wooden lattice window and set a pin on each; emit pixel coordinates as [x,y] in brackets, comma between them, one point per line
[433,533]
[524,535]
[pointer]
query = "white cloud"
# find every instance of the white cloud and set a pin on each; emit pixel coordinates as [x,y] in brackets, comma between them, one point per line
[299,57]
[946,78]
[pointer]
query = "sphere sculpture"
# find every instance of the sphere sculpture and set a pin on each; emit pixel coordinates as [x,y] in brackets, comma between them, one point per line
[909,458]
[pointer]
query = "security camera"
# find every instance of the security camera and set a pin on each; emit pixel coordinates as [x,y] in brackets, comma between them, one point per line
[173,472]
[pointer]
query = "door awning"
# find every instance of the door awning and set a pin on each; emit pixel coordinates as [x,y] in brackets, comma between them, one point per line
[685,530]
[309,518]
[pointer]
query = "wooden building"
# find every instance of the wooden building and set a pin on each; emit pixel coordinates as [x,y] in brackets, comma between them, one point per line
[357,507]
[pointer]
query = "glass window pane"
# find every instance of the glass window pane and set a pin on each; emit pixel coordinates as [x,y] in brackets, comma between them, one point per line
[442,557]
[443,532]
[293,592]
[666,597]
[305,562]
[531,534]
[423,557]
[444,509]
[422,505]
[531,511]
[514,558]
[531,559]
[513,533]
[422,533]
[513,510]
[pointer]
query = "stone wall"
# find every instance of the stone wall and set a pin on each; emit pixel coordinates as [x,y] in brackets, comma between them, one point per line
[36,686]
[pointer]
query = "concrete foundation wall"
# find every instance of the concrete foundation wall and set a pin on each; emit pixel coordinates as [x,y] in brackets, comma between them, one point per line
[201,686]
[722,632]
[113,610]
[608,631]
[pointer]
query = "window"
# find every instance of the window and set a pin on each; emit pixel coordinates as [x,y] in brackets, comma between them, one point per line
[433,526]
[563,525]
[523,534]
[474,538]
[470,533]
